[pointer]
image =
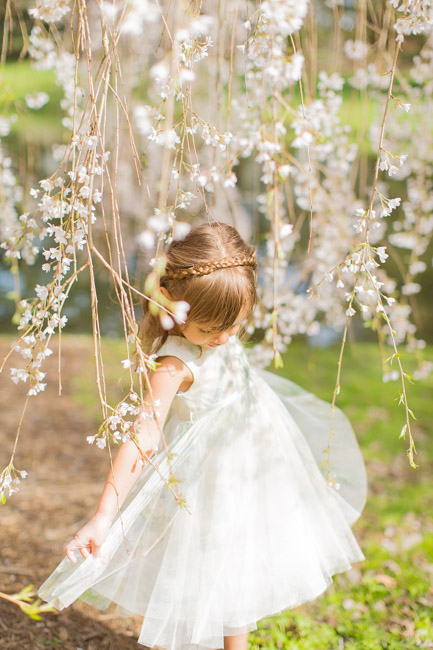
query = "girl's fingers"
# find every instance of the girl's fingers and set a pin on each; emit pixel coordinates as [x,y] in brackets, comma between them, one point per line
[73,545]
[69,550]
[84,552]
[87,546]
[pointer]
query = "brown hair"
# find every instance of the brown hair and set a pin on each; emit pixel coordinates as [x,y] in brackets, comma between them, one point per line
[213,270]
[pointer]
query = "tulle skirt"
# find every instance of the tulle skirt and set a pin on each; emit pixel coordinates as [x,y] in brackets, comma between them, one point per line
[266,527]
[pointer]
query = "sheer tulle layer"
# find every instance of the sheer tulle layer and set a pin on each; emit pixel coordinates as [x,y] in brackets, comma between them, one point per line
[264,530]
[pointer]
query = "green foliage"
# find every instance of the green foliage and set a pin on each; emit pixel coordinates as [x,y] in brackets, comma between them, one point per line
[27,601]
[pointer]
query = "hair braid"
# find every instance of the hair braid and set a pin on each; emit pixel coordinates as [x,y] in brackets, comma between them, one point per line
[204,268]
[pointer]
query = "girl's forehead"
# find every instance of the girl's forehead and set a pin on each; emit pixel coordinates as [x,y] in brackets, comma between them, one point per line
[210,327]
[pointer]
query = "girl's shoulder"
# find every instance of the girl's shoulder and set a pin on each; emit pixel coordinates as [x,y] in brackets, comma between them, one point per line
[201,360]
[178,344]
[189,353]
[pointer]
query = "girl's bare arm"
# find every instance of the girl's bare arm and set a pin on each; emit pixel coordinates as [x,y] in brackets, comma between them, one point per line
[164,383]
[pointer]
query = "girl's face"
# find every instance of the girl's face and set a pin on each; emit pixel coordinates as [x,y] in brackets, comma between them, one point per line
[207,337]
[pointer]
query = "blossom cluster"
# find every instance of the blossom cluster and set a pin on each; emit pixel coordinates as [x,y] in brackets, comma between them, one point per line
[416,18]
[10,479]
[50,11]
[125,422]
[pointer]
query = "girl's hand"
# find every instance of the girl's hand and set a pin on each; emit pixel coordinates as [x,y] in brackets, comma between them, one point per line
[89,538]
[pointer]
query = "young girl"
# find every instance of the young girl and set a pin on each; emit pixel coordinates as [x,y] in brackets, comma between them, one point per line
[269,514]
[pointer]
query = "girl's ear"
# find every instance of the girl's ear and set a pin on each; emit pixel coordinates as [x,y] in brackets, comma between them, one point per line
[166,294]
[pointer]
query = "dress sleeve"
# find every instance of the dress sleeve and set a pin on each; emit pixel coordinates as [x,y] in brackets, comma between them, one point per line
[188,353]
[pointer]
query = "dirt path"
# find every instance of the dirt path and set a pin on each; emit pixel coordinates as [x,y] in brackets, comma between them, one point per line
[65,479]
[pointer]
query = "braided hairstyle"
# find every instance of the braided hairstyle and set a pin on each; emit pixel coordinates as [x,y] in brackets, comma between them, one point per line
[204,268]
[213,270]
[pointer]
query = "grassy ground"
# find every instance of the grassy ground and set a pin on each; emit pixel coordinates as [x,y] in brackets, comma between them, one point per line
[384,602]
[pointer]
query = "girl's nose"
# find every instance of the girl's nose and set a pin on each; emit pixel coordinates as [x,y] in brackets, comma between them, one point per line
[221,338]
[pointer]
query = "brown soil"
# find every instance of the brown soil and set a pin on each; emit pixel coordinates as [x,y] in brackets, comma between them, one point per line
[60,493]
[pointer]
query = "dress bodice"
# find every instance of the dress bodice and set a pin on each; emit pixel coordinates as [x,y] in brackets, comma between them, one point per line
[220,374]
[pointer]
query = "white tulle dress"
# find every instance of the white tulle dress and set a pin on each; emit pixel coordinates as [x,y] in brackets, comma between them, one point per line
[266,528]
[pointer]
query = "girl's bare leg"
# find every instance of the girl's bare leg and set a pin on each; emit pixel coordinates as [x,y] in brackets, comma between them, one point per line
[237,642]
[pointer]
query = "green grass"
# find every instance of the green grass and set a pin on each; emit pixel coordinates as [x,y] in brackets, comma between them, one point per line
[363,613]
[369,403]
[384,602]
[359,115]
[18,79]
